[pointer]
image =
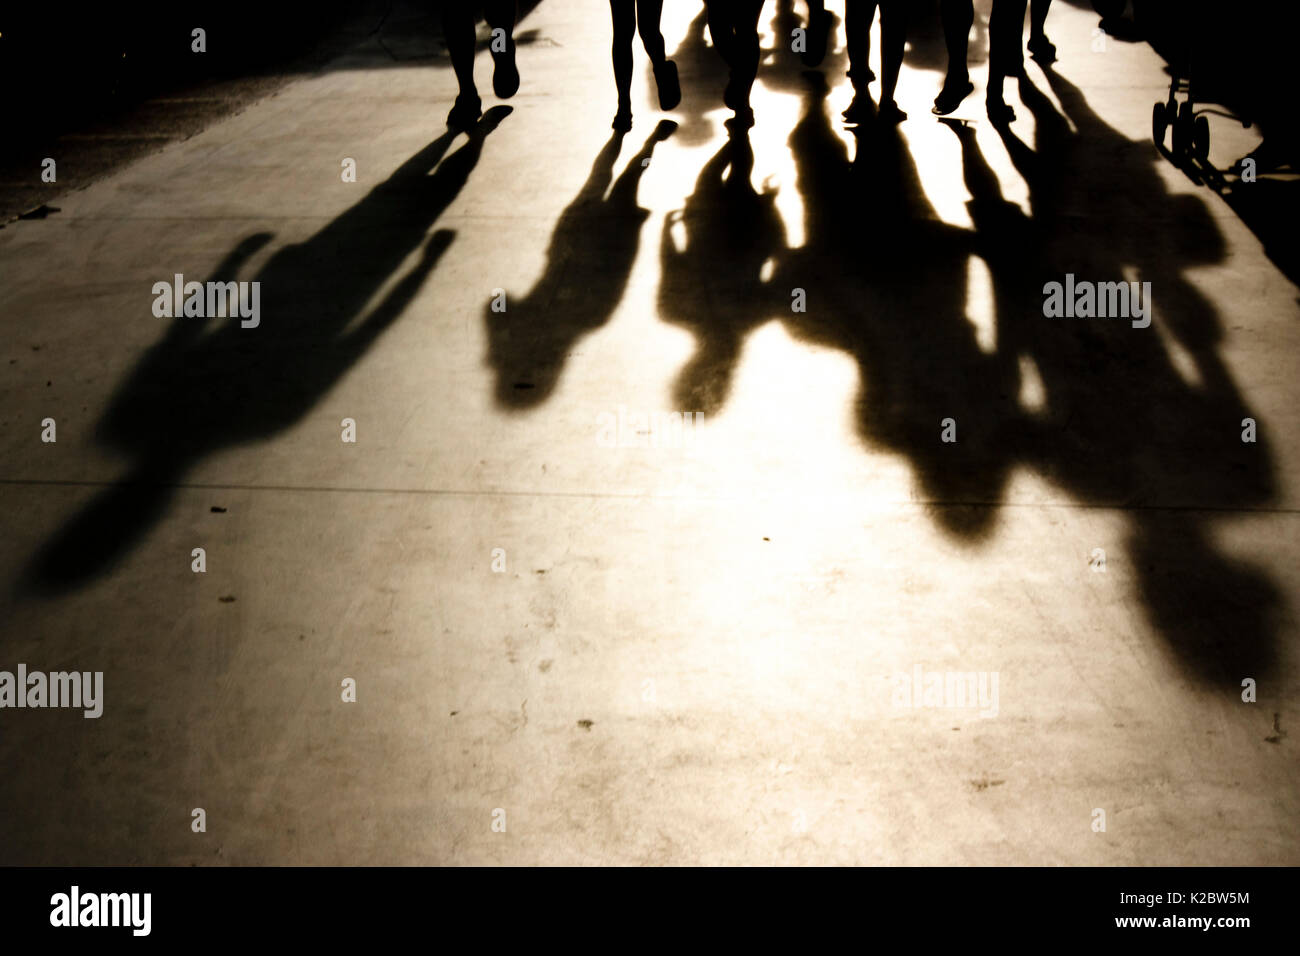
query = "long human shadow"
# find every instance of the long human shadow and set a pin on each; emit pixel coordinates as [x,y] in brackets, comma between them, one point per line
[588,263]
[886,284]
[209,383]
[714,285]
[1122,420]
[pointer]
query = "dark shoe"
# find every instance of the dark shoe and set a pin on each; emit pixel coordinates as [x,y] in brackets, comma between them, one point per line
[889,112]
[670,91]
[505,76]
[950,97]
[1000,112]
[623,119]
[859,110]
[1042,49]
[819,34]
[465,113]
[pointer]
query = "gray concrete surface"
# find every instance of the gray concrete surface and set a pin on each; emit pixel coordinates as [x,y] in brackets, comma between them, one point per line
[692,652]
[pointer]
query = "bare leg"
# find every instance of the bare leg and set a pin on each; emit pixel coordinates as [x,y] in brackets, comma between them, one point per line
[652,38]
[893,42]
[623,14]
[1038,18]
[744,68]
[958,16]
[858,15]
[500,15]
[1006,33]
[458,29]
[1042,48]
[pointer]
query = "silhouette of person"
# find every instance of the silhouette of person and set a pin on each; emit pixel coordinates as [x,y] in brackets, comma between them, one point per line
[858,15]
[629,16]
[733,25]
[1006,56]
[458,29]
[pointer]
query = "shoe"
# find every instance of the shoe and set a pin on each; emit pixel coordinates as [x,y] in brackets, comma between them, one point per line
[819,34]
[950,97]
[622,119]
[505,76]
[465,113]
[1000,112]
[1042,49]
[889,112]
[859,110]
[670,91]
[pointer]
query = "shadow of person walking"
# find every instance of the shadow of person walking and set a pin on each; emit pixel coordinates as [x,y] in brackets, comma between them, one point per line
[210,384]
[588,262]
[714,285]
[1123,420]
[886,284]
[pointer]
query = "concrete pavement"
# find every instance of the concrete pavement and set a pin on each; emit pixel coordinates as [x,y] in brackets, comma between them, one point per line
[572,646]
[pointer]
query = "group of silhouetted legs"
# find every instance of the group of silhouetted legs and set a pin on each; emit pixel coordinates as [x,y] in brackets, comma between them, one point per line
[733,26]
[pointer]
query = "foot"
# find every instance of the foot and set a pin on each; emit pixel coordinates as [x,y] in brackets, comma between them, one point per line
[623,118]
[951,95]
[670,90]
[859,110]
[465,113]
[505,76]
[1000,112]
[890,113]
[819,34]
[1042,49]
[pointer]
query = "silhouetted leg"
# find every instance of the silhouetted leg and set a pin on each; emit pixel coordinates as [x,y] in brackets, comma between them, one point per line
[1006,58]
[744,67]
[1042,48]
[720,29]
[652,38]
[958,17]
[500,15]
[893,41]
[623,13]
[458,29]
[858,15]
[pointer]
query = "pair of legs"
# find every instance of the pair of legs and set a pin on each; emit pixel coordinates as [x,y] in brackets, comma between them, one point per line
[733,26]
[1006,58]
[631,16]
[858,15]
[458,28]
